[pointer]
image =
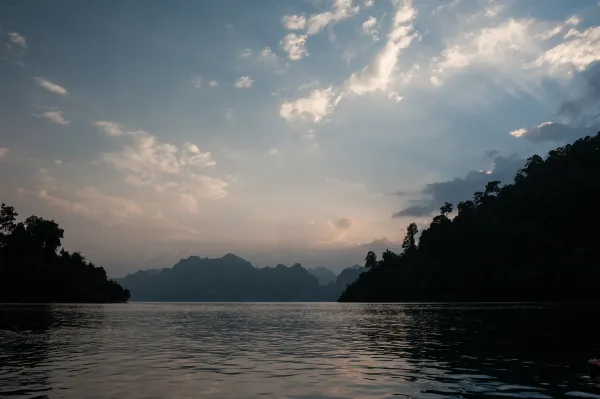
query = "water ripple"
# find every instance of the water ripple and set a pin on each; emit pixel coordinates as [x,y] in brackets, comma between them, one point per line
[307,351]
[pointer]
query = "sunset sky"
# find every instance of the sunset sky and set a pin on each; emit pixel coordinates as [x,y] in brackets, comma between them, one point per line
[280,130]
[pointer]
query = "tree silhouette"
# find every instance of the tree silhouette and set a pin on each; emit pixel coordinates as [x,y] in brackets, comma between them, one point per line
[410,240]
[31,269]
[371,260]
[528,241]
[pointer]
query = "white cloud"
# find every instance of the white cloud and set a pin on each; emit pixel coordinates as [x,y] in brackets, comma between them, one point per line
[273,151]
[369,3]
[268,57]
[51,87]
[377,75]
[110,128]
[507,42]
[395,97]
[4,152]
[55,117]
[168,169]
[578,51]
[295,46]
[524,49]
[115,129]
[213,83]
[342,9]
[446,6]
[315,107]
[196,81]
[553,132]
[435,81]
[521,132]
[246,53]
[17,39]
[245,82]
[294,22]
[369,27]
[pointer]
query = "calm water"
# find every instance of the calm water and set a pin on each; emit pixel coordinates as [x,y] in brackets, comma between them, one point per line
[296,351]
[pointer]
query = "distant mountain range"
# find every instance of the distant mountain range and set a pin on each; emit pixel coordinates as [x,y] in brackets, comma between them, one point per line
[231,279]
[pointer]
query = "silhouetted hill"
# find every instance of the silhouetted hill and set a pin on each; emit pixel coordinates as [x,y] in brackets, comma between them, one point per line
[230,279]
[534,240]
[32,269]
[323,274]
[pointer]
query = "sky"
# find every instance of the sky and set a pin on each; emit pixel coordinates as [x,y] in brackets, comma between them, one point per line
[279,130]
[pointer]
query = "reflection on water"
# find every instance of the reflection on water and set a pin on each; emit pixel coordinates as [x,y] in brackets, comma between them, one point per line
[296,351]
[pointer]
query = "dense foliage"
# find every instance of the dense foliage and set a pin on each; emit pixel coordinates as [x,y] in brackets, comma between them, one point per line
[232,278]
[534,240]
[32,269]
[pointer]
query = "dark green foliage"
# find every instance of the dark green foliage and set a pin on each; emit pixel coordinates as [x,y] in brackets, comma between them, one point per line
[534,240]
[32,269]
[231,278]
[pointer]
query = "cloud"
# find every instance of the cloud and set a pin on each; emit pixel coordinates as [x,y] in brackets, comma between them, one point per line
[435,81]
[197,81]
[377,75]
[90,201]
[369,3]
[369,28]
[51,87]
[267,55]
[342,9]
[245,82]
[507,41]
[446,6]
[581,113]
[295,46]
[4,152]
[318,104]
[110,128]
[553,132]
[524,49]
[213,83]
[585,108]
[294,22]
[273,151]
[168,169]
[459,189]
[341,223]
[246,53]
[115,129]
[55,117]
[17,39]
[578,51]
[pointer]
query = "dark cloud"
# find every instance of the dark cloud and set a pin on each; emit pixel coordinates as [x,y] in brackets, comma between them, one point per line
[581,114]
[584,109]
[461,188]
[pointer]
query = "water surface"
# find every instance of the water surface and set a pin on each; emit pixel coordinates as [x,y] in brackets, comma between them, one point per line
[194,350]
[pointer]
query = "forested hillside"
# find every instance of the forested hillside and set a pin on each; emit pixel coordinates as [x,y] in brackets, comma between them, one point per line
[534,240]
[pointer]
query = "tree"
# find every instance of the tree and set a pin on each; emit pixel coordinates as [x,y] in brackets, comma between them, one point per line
[8,216]
[410,240]
[45,234]
[446,209]
[31,270]
[371,260]
[508,243]
[492,188]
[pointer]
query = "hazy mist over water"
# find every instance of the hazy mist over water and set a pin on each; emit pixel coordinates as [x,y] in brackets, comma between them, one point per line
[196,350]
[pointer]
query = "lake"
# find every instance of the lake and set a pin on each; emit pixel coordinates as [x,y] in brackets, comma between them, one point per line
[329,350]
